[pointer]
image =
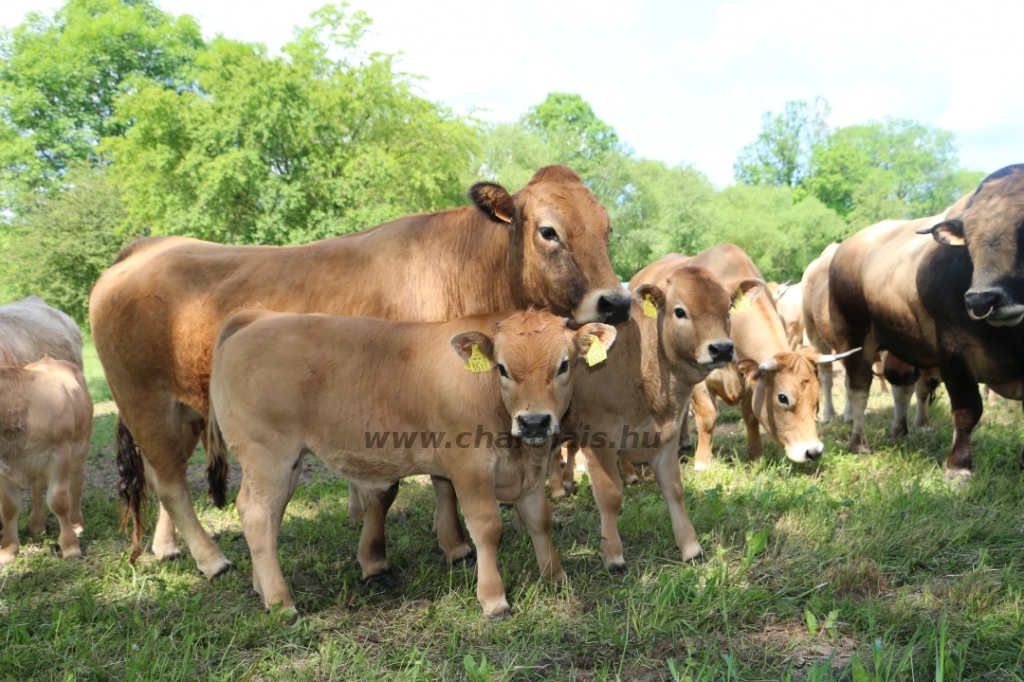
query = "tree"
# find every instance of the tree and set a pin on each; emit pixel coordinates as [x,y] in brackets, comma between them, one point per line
[568,123]
[287,149]
[781,154]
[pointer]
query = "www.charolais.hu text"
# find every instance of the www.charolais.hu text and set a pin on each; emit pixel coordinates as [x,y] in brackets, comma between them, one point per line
[627,439]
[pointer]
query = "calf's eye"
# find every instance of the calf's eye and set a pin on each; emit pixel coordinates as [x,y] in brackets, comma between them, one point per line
[549,234]
[783,399]
[501,370]
[680,313]
[564,367]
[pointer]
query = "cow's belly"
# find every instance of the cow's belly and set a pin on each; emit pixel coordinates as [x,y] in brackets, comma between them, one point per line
[379,467]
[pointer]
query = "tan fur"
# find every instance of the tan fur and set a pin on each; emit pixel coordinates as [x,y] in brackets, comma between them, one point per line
[288,384]
[156,311]
[790,307]
[645,386]
[45,426]
[759,336]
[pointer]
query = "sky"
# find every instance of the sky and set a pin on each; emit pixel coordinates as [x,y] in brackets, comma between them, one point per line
[684,81]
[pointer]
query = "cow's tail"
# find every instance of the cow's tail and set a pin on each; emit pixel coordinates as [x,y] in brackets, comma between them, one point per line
[132,486]
[217,467]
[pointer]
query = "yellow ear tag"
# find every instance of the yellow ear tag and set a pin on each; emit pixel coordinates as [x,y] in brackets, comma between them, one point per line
[649,308]
[477,362]
[596,353]
[955,240]
[740,303]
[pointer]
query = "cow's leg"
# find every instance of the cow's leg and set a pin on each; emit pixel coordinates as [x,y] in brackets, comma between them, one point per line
[901,408]
[666,472]
[483,517]
[535,514]
[167,443]
[607,487]
[264,494]
[925,390]
[76,486]
[373,558]
[685,444]
[755,447]
[848,408]
[58,497]
[555,472]
[967,408]
[705,414]
[828,410]
[355,506]
[37,517]
[629,474]
[859,377]
[10,506]
[446,521]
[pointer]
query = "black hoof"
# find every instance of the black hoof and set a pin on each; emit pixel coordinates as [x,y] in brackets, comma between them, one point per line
[618,569]
[222,570]
[468,561]
[385,579]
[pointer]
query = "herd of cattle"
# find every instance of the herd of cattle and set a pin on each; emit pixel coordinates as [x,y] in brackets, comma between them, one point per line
[502,317]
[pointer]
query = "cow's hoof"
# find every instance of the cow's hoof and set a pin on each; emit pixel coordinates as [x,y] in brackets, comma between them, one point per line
[958,477]
[221,570]
[617,568]
[632,480]
[468,561]
[500,612]
[692,552]
[701,466]
[171,554]
[385,579]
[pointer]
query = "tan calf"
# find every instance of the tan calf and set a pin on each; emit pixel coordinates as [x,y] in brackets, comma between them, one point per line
[45,426]
[283,385]
[631,407]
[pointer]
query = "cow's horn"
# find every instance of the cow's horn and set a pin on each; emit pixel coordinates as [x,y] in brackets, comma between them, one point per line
[926,230]
[768,366]
[783,288]
[838,356]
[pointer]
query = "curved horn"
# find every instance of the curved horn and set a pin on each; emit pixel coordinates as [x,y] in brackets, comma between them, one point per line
[822,359]
[783,288]
[768,366]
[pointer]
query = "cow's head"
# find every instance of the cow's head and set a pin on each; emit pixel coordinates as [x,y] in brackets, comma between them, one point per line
[693,318]
[559,246]
[535,354]
[785,398]
[990,223]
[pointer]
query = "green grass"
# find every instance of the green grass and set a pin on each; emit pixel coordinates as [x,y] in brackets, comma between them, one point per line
[94,377]
[857,568]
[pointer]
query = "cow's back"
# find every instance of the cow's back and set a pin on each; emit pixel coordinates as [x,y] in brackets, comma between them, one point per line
[31,329]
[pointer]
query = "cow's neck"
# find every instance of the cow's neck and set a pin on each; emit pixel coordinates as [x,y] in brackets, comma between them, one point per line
[759,334]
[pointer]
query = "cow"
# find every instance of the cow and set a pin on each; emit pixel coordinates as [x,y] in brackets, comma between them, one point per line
[630,407]
[789,303]
[29,331]
[286,384]
[903,378]
[45,426]
[777,387]
[156,311]
[953,302]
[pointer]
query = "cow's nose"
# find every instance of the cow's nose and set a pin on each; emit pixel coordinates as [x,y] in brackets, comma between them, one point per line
[721,351]
[981,304]
[534,423]
[814,451]
[614,308]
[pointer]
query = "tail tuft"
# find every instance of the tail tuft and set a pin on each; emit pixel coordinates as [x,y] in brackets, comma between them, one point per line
[132,486]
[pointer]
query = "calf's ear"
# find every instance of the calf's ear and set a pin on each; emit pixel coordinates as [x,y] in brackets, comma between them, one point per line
[749,370]
[463,344]
[604,333]
[494,200]
[650,295]
[743,293]
[949,232]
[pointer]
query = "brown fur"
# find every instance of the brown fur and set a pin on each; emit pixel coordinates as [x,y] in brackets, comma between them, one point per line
[282,386]
[156,312]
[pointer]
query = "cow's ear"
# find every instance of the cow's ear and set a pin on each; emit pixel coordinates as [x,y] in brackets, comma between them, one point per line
[467,344]
[743,293]
[494,200]
[949,232]
[584,337]
[747,369]
[652,298]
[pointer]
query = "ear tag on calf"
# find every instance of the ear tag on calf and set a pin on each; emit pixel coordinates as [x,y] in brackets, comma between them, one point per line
[954,240]
[477,362]
[596,352]
[650,310]
[740,303]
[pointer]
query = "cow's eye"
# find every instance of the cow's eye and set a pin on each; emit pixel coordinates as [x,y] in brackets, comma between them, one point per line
[783,399]
[549,234]
[564,367]
[502,371]
[680,313]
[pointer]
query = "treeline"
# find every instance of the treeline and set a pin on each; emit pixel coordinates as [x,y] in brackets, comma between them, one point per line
[119,120]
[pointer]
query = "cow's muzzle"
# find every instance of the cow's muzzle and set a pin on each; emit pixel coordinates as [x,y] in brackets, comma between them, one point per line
[614,307]
[994,306]
[805,452]
[534,428]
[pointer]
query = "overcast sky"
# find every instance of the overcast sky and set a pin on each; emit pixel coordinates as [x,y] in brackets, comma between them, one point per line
[688,81]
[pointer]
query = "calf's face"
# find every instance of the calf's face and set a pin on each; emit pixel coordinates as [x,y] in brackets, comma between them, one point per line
[534,355]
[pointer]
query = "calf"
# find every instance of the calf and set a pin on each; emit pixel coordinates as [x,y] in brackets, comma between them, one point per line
[284,384]
[45,426]
[631,406]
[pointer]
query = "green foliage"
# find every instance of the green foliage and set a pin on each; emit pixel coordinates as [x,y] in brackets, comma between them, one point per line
[781,155]
[280,150]
[781,236]
[62,242]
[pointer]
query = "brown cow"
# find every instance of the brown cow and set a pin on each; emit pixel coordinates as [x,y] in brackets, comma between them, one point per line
[777,387]
[155,313]
[45,426]
[936,304]
[904,379]
[631,406]
[283,385]
[29,331]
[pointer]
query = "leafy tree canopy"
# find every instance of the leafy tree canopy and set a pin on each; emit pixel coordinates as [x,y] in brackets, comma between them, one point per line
[781,155]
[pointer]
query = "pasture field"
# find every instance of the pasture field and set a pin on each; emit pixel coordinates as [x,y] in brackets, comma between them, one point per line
[93,371]
[861,568]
